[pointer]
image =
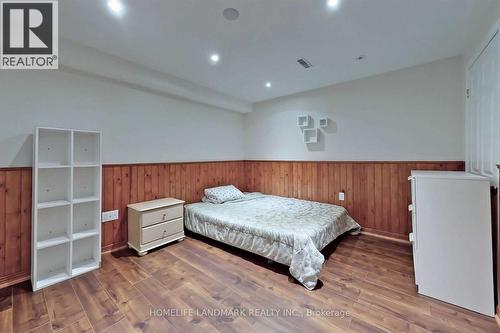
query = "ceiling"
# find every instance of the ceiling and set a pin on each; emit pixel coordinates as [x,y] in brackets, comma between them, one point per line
[178,36]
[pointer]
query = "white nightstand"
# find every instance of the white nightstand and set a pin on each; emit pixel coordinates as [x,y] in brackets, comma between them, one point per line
[155,223]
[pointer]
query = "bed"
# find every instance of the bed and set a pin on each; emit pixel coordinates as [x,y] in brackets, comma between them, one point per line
[285,230]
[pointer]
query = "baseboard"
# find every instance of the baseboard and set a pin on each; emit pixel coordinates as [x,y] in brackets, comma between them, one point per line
[12,279]
[402,239]
[113,247]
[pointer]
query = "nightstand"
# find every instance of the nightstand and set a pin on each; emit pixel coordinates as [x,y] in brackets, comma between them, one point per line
[155,223]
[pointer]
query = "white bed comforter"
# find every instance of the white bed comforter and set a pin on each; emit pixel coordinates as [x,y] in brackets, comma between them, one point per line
[288,231]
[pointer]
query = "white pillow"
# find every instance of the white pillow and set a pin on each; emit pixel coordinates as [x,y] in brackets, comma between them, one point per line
[222,194]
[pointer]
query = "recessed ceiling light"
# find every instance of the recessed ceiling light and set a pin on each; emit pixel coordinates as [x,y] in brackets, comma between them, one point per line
[268,85]
[361,57]
[215,58]
[333,4]
[231,14]
[116,7]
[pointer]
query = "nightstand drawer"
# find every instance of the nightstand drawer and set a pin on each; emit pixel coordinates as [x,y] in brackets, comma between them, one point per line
[162,230]
[160,215]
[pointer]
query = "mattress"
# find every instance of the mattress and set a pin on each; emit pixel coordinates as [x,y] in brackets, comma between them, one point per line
[285,230]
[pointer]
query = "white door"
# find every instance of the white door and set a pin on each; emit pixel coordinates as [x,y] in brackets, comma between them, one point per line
[482,115]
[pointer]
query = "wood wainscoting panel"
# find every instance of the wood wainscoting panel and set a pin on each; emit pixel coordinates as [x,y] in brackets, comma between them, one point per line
[125,184]
[15,225]
[377,194]
[122,184]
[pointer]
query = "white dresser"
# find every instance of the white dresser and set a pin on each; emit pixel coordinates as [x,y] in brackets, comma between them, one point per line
[155,223]
[452,242]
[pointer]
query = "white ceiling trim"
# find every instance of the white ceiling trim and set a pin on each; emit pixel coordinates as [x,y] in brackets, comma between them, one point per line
[74,56]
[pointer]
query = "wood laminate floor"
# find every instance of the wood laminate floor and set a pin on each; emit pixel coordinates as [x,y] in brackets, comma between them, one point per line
[201,286]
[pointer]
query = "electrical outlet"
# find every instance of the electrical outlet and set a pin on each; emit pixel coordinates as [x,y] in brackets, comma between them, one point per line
[109,216]
[341,196]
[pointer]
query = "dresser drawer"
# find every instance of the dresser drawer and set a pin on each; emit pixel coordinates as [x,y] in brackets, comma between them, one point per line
[160,215]
[162,230]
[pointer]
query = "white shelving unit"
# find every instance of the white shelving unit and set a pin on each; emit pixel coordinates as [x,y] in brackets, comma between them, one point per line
[311,135]
[66,231]
[304,121]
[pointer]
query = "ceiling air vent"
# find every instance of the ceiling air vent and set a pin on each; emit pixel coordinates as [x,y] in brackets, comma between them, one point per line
[304,63]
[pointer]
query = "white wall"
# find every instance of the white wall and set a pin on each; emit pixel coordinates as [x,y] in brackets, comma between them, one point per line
[138,125]
[410,114]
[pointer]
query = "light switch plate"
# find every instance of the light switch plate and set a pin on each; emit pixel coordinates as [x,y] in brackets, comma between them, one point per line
[109,216]
[341,196]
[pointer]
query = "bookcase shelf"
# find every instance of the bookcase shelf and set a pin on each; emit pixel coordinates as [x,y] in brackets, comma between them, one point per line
[53,226]
[54,185]
[81,165]
[52,242]
[53,204]
[85,234]
[85,183]
[85,199]
[53,166]
[86,255]
[85,219]
[66,231]
[86,148]
[53,265]
[54,147]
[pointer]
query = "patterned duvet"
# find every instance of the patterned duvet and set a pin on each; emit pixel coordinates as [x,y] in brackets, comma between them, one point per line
[288,231]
